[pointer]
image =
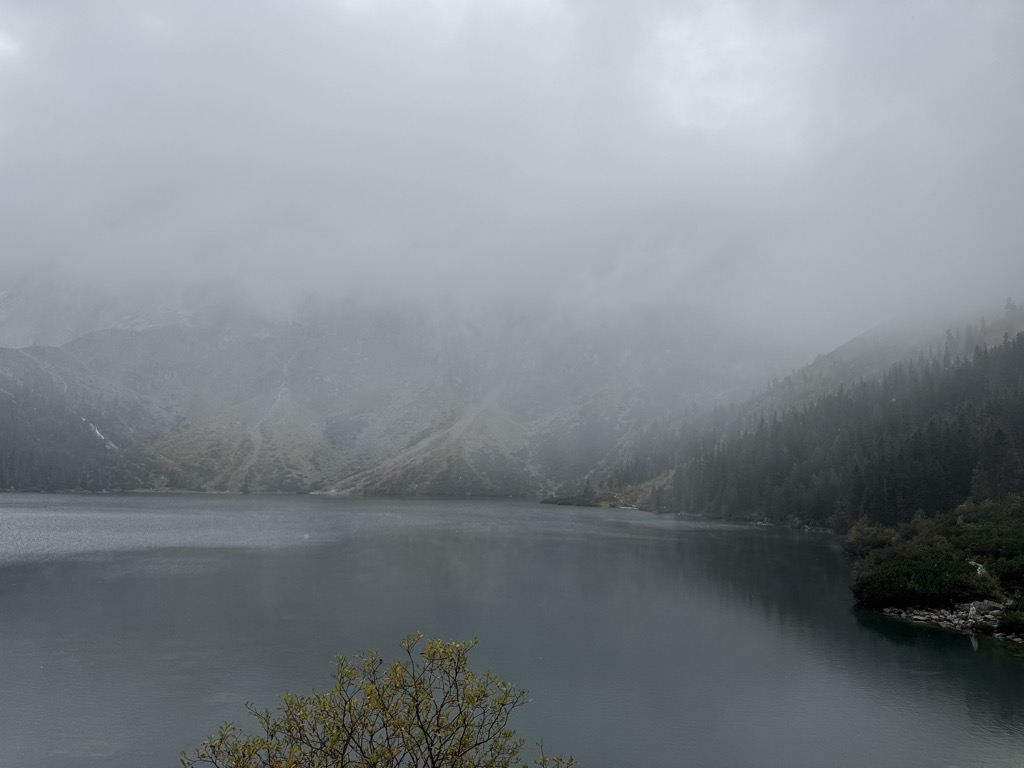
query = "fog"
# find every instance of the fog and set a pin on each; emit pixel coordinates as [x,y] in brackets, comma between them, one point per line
[800,169]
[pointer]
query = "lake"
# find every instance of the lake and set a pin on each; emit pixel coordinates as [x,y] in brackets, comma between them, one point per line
[132,625]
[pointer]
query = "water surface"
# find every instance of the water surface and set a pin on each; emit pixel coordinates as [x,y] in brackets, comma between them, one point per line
[130,626]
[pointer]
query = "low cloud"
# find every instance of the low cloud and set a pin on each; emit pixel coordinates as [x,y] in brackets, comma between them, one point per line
[801,167]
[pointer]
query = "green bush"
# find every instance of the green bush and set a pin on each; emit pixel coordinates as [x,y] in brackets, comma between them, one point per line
[926,574]
[428,709]
[865,537]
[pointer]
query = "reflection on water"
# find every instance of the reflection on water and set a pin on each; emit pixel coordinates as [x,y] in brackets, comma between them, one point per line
[131,626]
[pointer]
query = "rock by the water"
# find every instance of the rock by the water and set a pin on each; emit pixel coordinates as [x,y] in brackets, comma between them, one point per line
[980,616]
[987,606]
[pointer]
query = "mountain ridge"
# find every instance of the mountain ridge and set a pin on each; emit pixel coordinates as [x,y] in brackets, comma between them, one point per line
[358,401]
[377,401]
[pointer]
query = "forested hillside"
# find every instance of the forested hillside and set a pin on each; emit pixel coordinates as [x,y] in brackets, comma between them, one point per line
[927,436]
[663,446]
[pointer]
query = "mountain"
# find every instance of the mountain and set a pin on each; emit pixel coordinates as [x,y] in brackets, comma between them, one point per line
[925,437]
[947,340]
[188,393]
[648,459]
[357,399]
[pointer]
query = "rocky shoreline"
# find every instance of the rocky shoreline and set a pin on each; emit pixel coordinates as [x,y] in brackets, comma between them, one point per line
[980,617]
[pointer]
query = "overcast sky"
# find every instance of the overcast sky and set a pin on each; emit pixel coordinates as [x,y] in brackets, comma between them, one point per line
[812,167]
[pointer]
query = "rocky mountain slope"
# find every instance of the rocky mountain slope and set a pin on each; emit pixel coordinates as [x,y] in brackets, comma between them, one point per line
[356,400]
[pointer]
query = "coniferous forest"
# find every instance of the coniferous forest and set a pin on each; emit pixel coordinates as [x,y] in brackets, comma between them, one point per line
[920,470]
[925,437]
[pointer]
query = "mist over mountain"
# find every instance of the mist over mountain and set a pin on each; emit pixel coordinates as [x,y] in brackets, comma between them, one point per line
[459,247]
[918,437]
[799,171]
[360,399]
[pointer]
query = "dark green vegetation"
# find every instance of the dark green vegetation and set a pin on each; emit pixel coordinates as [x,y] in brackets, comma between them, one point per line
[428,709]
[974,551]
[930,562]
[927,437]
[919,467]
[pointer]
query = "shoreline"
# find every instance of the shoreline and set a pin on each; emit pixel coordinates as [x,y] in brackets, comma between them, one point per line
[984,621]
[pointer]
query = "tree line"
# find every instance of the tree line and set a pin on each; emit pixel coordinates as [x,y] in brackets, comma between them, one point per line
[926,436]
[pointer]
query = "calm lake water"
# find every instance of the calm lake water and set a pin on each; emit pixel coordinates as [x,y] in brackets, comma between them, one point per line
[131,626]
